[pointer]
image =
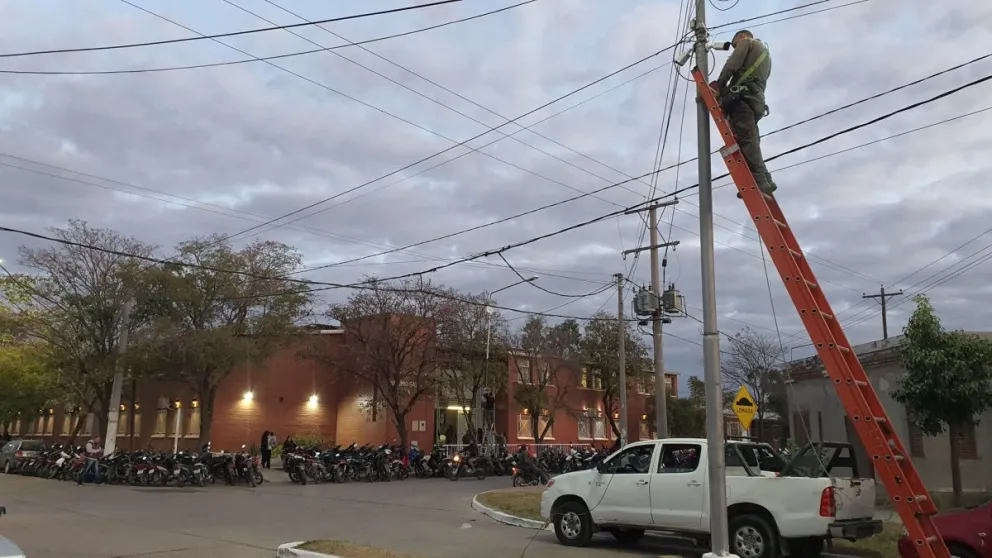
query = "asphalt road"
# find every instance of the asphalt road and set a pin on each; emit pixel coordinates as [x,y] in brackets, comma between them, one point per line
[430,518]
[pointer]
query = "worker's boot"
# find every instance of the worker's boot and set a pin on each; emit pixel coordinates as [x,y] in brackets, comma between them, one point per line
[765,184]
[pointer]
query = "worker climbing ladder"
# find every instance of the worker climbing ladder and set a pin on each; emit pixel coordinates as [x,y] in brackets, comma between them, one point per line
[909,497]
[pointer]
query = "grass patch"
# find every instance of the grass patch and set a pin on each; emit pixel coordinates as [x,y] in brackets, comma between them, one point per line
[347,549]
[519,502]
[882,545]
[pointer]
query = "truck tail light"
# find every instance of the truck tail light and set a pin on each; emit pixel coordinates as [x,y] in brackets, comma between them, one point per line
[550,483]
[19,454]
[828,506]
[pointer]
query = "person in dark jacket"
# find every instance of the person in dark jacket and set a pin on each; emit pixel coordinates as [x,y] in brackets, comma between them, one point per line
[265,450]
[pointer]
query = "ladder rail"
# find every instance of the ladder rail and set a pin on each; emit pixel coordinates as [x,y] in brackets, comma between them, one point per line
[854,389]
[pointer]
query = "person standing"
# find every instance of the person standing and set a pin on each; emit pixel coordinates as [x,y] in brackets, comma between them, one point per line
[741,90]
[93,453]
[273,442]
[265,450]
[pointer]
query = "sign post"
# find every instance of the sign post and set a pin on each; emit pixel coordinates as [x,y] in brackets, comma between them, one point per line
[745,408]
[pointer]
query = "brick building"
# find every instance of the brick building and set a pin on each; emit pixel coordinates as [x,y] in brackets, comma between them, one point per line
[290,395]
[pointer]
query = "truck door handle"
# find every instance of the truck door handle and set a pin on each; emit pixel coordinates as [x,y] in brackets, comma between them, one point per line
[642,483]
[693,483]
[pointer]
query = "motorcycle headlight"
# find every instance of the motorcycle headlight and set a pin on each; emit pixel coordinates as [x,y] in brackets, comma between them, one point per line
[456,458]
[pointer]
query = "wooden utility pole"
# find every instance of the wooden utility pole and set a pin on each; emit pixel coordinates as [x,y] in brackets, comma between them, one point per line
[883,298]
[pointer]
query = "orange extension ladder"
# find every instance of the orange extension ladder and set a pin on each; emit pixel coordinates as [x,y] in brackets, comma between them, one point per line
[870,420]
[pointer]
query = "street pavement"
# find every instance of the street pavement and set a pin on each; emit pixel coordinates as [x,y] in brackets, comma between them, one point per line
[430,518]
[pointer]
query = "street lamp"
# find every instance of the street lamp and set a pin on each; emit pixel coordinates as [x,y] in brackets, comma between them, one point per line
[489,330]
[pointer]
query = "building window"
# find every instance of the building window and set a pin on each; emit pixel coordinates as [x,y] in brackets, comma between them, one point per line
[89,425]
[599,426]
[49,427]
[193,426]
[670,389]
[591,379]
[122,423]
[915,440]
[733,428]
[525,427]
[170,423]
[161,417]
[32,424]
[967,444]
[642,431]
[542,423]
[544,372]
[644,385]
[523,371]
[68,421]
[585,426]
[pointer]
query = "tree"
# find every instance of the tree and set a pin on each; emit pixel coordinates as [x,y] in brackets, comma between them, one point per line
[390,343]
[600,353]
[473,346]
[547,356]
[686,418]
[752,362]
[216,308]
[74,306]
[26,382]
[948,383]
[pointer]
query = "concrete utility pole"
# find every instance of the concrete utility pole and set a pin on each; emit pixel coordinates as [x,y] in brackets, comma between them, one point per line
[660,386]
[114,410]
[622,379]
[719,530]
[883,298]
[658,317]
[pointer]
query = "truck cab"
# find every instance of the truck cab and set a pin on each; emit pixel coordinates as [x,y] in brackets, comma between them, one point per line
[662,485]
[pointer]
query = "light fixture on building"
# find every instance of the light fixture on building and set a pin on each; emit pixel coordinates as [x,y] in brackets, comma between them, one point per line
[51,411]
[137,406]
[123,408]
[459,408]
[248,396]
[616,415]
[312,403]
[644,417]
[177,404]
[194,403]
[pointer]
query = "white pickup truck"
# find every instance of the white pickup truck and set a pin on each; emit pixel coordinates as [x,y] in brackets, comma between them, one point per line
[774,507]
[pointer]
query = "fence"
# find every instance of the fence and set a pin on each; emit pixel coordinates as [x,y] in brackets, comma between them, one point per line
[451,449]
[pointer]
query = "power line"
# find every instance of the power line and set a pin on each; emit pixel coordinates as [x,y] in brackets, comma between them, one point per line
[676,165]
[401,169]
[264,58]
[229,34]
[549,291]
[366,285]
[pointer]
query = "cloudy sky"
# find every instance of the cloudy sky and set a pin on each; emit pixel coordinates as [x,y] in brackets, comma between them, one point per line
[177,154]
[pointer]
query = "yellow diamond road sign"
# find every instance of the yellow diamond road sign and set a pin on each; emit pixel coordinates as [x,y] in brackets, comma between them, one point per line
[744,407]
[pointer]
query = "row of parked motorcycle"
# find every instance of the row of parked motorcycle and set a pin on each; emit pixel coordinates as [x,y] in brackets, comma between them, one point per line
[385,463]
[143,468]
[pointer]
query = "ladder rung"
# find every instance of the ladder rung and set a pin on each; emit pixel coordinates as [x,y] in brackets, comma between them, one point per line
[844,349]
[767,196]
[795,253]
[880,420]
[827,316]
[860,383]
[780,224]
[810,284]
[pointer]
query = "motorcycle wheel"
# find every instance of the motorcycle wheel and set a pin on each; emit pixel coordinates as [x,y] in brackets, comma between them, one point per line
[251,478]
[453,473]
[259,479]
[517,481]
[480,473]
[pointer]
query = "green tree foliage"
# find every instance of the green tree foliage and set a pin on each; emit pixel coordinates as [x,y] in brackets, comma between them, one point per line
[686,417]
[27,383]
[221,310]
[548,355]
[73,304]
[600,352]
[948,384]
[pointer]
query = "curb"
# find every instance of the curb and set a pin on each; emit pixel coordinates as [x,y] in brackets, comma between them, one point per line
[289,550]
[508,519]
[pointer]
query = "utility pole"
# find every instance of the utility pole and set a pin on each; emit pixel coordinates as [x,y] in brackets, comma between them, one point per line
[114,410]
[660,386]
[719,529]
[657,316]
[883,298]
[622,380]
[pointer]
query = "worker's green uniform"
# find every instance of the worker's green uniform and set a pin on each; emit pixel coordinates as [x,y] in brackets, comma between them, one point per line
[750,57]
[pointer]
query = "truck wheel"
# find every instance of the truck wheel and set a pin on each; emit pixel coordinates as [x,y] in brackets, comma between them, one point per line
[958,551]
[751,536]
[573,524]
[811,547]
[627,536]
